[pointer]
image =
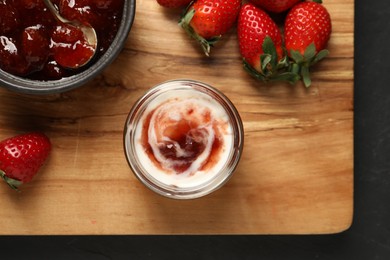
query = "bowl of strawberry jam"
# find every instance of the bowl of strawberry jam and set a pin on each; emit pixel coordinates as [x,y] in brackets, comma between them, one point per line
[37,51]
[183,139]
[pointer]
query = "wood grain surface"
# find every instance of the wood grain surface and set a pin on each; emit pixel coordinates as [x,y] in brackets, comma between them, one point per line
[295,175]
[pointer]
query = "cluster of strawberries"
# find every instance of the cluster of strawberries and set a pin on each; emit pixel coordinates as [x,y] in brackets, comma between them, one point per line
[267,55]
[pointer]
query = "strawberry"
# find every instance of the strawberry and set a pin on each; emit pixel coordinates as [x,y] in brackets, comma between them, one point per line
[207,20]
[275,6]
[173,3]
[307,31]
[21,157]
[260,43]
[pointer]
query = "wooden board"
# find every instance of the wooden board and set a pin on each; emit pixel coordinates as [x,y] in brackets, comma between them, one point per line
[296,172]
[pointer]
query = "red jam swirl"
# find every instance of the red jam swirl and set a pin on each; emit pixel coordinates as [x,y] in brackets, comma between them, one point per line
[181,137]
[34,45]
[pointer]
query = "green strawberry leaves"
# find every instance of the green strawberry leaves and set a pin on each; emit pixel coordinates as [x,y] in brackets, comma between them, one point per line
[310,52]
[320,55]
[14,184]
[269,50]
[288,70]
[272,69]
[305,73]
[296,56]
[301,63]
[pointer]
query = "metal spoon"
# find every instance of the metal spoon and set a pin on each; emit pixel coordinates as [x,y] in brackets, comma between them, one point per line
[89,32]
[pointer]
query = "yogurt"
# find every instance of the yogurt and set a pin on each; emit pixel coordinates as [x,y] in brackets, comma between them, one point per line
[183,139]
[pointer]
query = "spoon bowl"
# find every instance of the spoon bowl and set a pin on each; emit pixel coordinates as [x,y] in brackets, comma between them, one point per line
[88,32]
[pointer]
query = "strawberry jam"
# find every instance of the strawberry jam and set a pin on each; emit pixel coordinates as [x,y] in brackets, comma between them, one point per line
[34,45]
[181,137]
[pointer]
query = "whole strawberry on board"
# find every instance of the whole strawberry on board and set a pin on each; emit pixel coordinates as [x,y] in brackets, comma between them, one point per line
[307,31]
[260,43]
[275,6]
[22,156]
[173,3]
[207,20]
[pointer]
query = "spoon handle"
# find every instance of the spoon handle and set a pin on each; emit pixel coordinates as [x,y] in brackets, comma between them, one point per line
[55,11]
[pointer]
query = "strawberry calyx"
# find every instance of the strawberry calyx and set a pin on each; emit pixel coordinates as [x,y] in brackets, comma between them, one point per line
[206,44]
[13,183]
[271,67]
[301,64]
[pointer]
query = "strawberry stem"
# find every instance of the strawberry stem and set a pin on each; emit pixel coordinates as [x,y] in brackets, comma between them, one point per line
[14,184]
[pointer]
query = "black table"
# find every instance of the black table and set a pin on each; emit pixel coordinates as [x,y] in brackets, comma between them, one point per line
[369,236]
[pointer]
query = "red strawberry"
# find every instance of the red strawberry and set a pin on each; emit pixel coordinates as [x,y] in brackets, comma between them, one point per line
[275,6]
[173,3]
[260,43]
[207,20]
[21,157]
[307,32]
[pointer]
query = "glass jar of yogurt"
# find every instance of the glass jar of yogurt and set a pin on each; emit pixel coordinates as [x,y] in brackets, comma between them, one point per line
[183,139]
